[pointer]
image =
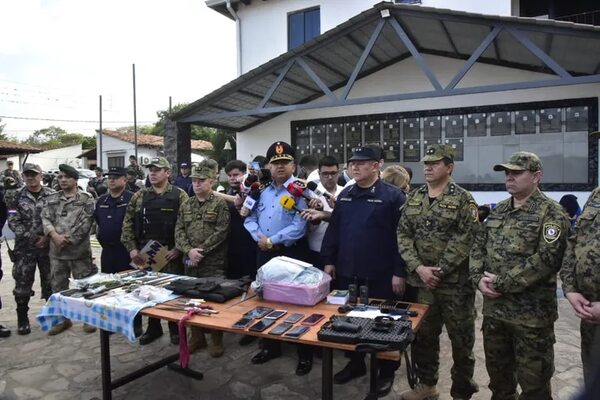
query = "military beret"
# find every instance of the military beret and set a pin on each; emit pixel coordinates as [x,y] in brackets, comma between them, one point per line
[437,152]
[280,151]
[69,171]
[521,161]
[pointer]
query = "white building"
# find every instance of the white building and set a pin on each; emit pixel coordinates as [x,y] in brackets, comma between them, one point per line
[118,146]
[329,76]
[51,159]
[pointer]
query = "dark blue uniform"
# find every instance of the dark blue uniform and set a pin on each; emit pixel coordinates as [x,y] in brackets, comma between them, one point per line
[183,182]
[241,249]
[110,212]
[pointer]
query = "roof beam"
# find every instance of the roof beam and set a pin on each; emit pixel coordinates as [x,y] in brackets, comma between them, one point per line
[328,67]
[316,78]
[259,97]
[358,46]
[448,36]
[275,84]
[415,53]
[476,54]
[539,53]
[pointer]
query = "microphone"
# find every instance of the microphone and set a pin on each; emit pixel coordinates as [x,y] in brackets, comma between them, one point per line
[314,188]
[288,203]
[251,199]
[246,184]
[297,191]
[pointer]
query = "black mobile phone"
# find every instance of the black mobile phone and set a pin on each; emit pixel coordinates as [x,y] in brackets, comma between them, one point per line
[293,318]
[242,323]
[402,306]
[296,332]
[281,328]
[258,312]
[313,319]
[262,325]
[276,314]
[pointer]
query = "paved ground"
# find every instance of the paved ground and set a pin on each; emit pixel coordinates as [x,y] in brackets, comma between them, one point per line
[68,366]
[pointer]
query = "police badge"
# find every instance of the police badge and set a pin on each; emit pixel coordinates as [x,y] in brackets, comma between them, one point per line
[551,232]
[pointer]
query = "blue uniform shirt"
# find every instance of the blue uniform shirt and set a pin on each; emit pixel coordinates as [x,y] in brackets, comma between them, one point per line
[183,182]
[270,219]
[361,238]
[109,216]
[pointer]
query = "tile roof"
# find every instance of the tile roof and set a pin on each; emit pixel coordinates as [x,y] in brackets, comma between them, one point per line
[11,148]
[155,141]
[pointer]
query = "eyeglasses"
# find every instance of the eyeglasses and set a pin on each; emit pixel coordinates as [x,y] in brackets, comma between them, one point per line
[328,174]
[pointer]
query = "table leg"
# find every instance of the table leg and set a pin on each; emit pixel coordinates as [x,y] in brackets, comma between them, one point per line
[373,376]
[105,365]
[327,379]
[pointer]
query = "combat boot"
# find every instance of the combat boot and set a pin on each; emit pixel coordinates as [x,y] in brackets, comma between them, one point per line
[197,340]
[421,392]
[60,328]
[216,344]
[23,327]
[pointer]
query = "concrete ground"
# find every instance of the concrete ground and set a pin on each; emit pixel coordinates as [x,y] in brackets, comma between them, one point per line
[67,366]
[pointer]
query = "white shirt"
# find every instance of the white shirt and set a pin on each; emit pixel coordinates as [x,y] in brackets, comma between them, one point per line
[317,232]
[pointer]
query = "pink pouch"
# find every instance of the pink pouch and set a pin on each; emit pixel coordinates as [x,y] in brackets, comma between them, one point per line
[304,295]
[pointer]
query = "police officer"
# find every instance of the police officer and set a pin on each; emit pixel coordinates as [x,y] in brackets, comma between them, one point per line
[31,244]
[151,215]
[435,235]
[201,233]
[580,277]
[67,218]
[183,180]
[135,168]
[109,215]
[360,246]
[279,232]
[514,262]
[97,185]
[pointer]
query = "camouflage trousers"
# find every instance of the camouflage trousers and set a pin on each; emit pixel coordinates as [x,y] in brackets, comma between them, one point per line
[457,313]
[518,354]
[590,350]
[63,269]
[24,274]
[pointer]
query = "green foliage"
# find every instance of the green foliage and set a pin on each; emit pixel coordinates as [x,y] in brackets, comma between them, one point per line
[2,135]
[54,137]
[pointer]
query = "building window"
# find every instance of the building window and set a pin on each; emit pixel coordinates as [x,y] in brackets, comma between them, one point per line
[558,131]
[118,161]
[303,26]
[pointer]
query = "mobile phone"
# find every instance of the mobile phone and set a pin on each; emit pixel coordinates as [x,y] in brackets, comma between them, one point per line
[296,332]
[262,325]
[293,318]
[258,312]
[255,165]
[313,319]
[376,303]
[276,314]
[281,328]
[402,306]
[242,323]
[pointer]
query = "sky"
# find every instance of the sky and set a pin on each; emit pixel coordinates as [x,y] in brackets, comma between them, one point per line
[58,56]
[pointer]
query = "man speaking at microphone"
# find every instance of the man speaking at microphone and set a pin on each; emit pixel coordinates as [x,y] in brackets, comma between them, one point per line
[279,232]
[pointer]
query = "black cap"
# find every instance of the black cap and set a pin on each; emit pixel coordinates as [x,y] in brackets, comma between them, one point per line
[116,171]
[365,153]
[280,151]
[184,165]
[98,169]
[69,171]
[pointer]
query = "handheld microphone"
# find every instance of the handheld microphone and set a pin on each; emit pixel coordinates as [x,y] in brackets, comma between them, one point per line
[250,200]
[314,188]
[246,184]
[297,191]
[288,203]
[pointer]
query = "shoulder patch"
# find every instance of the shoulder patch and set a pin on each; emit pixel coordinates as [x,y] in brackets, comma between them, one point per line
[474,212]
[552,232]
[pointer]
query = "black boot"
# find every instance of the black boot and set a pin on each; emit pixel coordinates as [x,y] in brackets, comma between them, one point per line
[153,332]
[173,332]
[23,320]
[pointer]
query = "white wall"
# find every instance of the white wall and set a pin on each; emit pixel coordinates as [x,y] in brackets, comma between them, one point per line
[50,159]
[113,147]
[264,23]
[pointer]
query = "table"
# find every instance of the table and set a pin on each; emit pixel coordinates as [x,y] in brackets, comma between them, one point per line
[232,311]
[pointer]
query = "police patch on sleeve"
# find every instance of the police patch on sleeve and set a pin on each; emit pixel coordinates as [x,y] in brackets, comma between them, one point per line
[551,232]
[473,211]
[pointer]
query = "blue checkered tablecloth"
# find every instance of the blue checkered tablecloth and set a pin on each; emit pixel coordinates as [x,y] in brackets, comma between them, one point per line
[111,313]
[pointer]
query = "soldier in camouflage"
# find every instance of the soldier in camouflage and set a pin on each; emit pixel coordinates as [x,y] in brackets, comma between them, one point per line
[435,234]
[580,277]
[514,262]
[151,215]
[135,168]
[201,233]
[31,244]
[10,172]
[67,218]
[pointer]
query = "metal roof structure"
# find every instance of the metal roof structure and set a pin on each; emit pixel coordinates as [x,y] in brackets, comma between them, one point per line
[307,77]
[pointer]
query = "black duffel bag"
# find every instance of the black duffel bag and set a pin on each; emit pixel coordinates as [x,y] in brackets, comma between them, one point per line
[218,290]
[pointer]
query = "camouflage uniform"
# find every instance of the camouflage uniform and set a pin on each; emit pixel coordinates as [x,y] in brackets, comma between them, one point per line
[523,247]
[73,217]
[24,219]
[440,234]
[580,274]
[205,225]
[139,172]
[131,235]
[16,175]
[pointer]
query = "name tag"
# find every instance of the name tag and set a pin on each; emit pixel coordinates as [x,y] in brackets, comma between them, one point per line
[374,201]
[344,199]
[103,206]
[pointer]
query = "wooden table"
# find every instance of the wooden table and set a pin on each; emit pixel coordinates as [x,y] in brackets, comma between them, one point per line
[232,311]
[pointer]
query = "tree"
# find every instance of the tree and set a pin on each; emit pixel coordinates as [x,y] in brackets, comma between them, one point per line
[54,137]
[2,135]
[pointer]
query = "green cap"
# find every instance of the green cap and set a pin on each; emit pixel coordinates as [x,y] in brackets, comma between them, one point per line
[521,161]
[69,171]
[206,169]
[436,152]
[160,162]
[32,167]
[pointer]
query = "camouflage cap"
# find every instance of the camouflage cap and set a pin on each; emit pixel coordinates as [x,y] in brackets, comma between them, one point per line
[206,169]
[160,162]
[437,152]
[521,161]
[32,167]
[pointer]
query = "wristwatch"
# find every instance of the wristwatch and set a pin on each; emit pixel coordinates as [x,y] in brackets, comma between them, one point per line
[269,244]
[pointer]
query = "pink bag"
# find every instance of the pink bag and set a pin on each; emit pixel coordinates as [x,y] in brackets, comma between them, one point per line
[304,295]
